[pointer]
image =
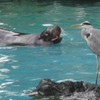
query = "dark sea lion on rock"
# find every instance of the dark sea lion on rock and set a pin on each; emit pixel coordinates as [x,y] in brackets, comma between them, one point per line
[47,37]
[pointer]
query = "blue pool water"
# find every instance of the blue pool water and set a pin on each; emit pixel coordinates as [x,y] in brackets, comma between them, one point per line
[21,68]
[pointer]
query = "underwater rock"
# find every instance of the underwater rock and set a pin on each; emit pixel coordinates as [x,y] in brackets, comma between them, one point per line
[67,90]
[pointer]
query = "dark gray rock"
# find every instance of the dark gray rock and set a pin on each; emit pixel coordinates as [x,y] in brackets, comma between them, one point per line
[68,90]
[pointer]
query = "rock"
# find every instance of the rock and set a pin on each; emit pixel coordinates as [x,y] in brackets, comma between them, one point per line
[67,90]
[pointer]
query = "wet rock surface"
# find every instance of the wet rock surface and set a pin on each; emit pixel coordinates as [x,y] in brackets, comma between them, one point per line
[68,90]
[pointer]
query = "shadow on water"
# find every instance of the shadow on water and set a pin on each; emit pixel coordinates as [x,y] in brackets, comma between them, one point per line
[62,2]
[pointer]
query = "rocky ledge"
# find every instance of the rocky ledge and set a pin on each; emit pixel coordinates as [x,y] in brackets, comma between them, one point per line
[67,90]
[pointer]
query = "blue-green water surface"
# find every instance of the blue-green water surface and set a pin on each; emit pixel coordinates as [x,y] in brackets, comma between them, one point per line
[21,68]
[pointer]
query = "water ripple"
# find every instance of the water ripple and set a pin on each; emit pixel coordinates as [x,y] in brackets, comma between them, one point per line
[4,58]
[4,70]
[47,24]
[7,47]
[3,76]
